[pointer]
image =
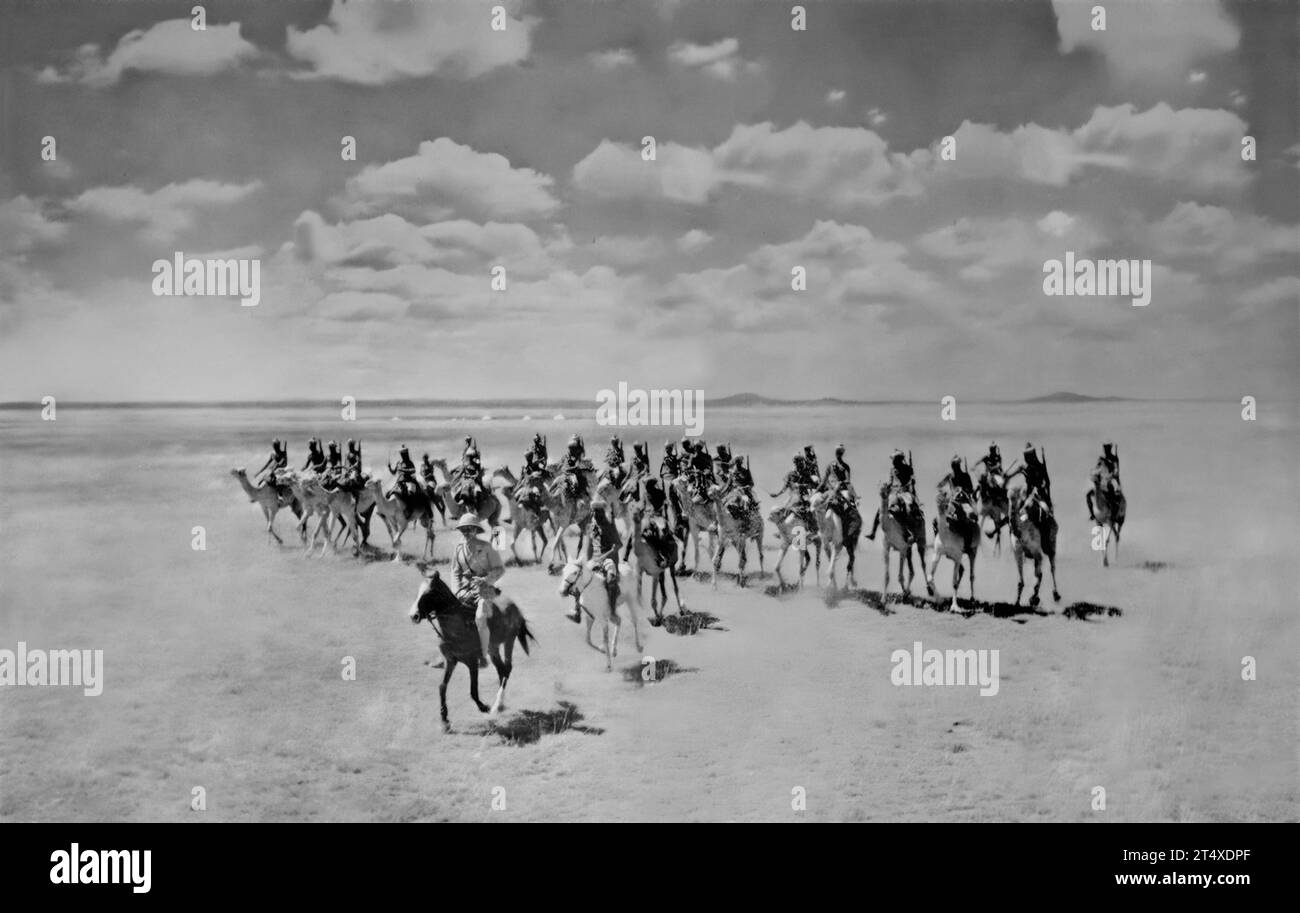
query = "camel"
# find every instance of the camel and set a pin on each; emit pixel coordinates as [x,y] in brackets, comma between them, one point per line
[567,511]
[836,535]
[1033,540]
[326,505]
[952,540]
[656,555]
[993,505]
[737,525]
[896,539]
[268,498]
[576,581]
[1108,507]
[400,511]
[458,639]
[486,505]
[531,513]
[793,533]
[441,489]
[611,494]
[696,518]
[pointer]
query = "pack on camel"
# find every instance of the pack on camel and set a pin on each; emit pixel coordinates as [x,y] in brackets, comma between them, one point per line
[458,640]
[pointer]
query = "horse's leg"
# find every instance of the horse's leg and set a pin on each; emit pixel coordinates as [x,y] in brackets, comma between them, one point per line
[472,665]
[503,675]
[442,689]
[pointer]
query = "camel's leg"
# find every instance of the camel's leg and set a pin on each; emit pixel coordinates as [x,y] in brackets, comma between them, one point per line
[973,553]
[633,608]
[473,686]
[677,596]
[270,525]
[957,573]
[591,620]
[442,689]
[717,562]
[1051,563]
[743,545]
[1038,579]
[611,620]
[1020,574]
[928,568]
[762,570]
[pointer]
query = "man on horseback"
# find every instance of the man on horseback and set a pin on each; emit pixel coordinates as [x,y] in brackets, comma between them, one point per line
[405,483]
[476,563]
[901,482]
[1105,477]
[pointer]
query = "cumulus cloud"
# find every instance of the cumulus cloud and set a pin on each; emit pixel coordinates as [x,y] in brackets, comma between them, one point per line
[1221,240]
[694,240]
[377,43]
[24,226]
[989,247]
[1149,41]
[679,173]
[721,59]
[612,59]
[162,213]
[171,47]
[443,174]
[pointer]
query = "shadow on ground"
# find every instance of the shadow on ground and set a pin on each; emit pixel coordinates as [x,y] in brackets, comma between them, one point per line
[527,727]
[968,607]
[642,674]
[687,622]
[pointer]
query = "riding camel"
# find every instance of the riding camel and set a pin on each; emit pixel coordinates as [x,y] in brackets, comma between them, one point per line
[738,521]
[1108,507]
[656,555]
[401,510]
[1034,529]
[529,513]
[794,533]
[576,581]
[268,498]
[953,539]
[896,538]
[994,506]
[697,519]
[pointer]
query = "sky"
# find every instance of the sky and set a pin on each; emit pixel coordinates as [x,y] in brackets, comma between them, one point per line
[775,148]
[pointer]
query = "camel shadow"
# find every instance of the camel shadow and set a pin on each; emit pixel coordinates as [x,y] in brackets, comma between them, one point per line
[687,622]
[1085,610]
[641,674]
[526,727]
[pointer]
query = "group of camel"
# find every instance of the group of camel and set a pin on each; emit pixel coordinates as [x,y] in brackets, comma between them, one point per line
[724,518]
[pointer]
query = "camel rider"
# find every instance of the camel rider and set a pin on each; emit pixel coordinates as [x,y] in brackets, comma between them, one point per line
[1107,468]
[315,457]
[958,479]
[838,476]
[722,462]
[991,461]
[810,457]
[739,479]
[1036,479]
[901,480]
[405,471]
[606,544]
[670,468]
[640,459]
[573,469]
[701,469]
[475,562]
[333,467]
[538,451]
[614,468]
[278,460]
[795,482]
[656,497]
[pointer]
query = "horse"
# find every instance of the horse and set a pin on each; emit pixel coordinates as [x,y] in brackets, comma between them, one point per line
[576,580]
[458,639]
[1034,529]
[952,540]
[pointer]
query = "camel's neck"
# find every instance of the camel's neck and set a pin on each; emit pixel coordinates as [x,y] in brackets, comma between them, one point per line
[246,485]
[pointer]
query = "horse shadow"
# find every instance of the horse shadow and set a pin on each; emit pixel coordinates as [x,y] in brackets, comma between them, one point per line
[526,727]
[641,674]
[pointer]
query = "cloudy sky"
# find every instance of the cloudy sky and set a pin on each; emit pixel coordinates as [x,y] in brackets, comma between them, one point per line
[522,148]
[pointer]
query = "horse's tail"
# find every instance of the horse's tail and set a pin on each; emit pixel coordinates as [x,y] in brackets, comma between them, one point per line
[524,634]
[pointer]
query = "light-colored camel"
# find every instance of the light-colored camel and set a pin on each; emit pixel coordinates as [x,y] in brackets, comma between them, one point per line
[793,533]
[699,518]
[952,540]
[442,488]
[994,506]
[1109,507]
[327,505]
[400,511]
[895,539]
[736,528]
[656,559]
[576,582]
[833,538]
[267,497]
[529,513]
[1033,541]
[567,512]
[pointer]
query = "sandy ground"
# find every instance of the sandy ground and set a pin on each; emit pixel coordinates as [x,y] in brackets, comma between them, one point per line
[223,666]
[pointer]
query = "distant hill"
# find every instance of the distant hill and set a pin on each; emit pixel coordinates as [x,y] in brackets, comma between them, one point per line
[1067,397]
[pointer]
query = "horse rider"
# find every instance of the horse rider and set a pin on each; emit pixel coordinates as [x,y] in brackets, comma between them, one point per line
[315,457]
[277,461]
[405,472]
[902,480]
[1037,483]
[476,562]
[1107,468]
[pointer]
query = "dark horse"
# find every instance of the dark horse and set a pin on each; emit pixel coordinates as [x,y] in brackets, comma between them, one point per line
[453,621]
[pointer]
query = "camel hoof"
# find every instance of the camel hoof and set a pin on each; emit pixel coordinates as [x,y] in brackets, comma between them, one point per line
[1056,596]
[446,726]
[1034,602]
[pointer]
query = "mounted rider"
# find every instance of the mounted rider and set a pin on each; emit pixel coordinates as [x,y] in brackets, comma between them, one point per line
[605,543]
[469,483]
[902,483]
[315,457]
[535,470]
[475,568]
[992,480]
[333,467]
[700,472]
[798,484]
[740,481]
[1038,486]
[574,469]
[1105,476]
[276,463]
[722,463]
[838,481]
[961,491]
[810,459]
[614,470]
[405,482]
[671,466]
